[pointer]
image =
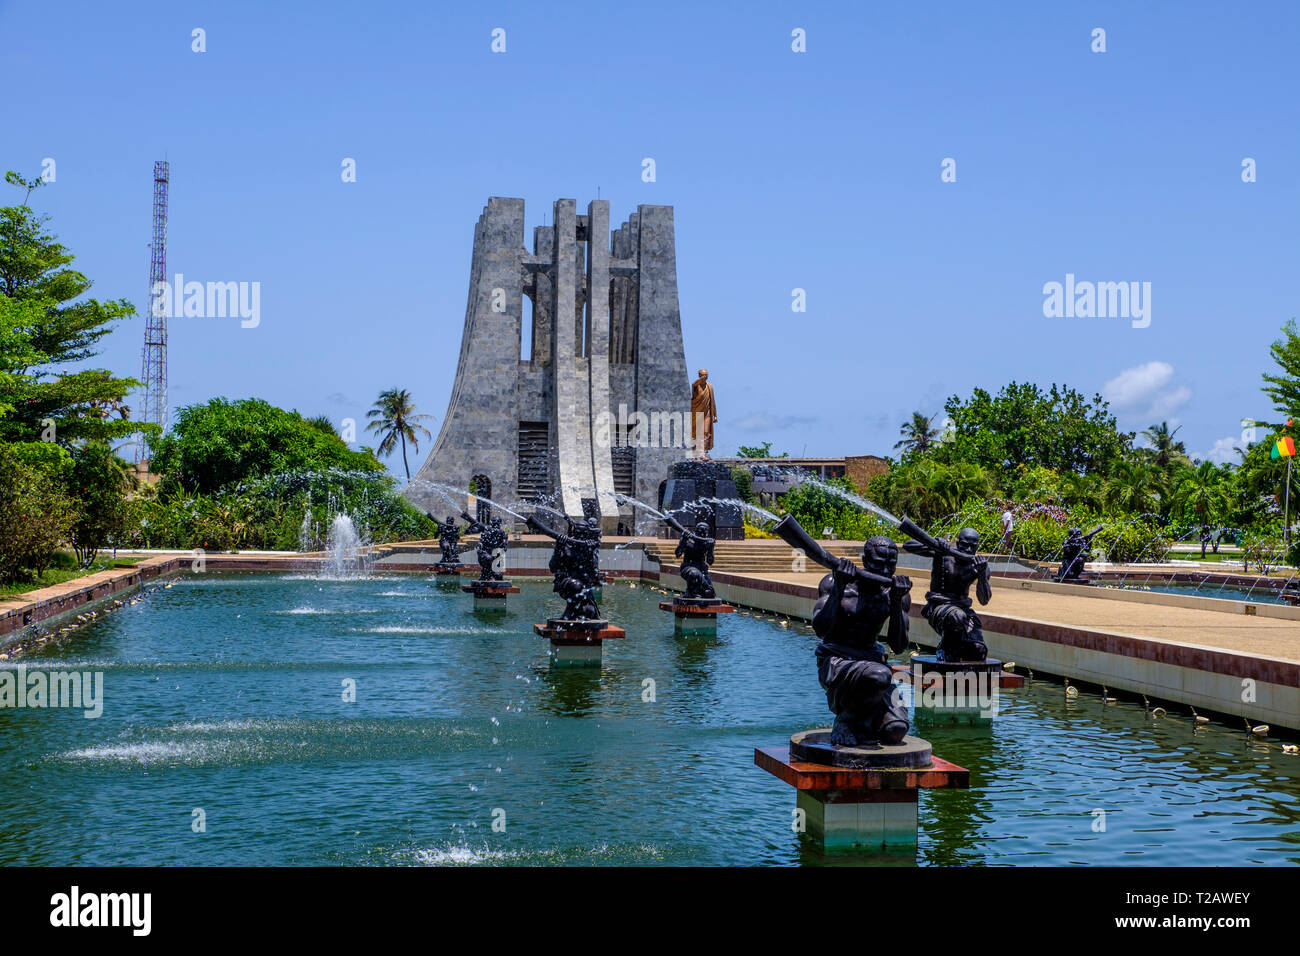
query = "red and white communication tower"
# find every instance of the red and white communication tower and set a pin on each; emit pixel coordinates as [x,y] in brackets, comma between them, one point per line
[154,374]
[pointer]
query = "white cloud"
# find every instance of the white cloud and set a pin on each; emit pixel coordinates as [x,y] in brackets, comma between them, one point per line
[1224,450]
[1146,392]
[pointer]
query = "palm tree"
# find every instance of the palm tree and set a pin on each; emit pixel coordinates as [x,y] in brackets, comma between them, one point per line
[1165,450]
[917,434]
[916,490]
[1131,488]
[1084,491]
[1201,495]
[959,483]
[396,421]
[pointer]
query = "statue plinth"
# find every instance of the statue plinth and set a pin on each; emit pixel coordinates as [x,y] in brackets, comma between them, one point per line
[489,595]
[867,807]
[695,616]
[814,746]
[578,643]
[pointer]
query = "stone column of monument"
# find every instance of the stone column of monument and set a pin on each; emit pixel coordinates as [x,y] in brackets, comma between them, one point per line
[661,381]
[598,352]
[479,432]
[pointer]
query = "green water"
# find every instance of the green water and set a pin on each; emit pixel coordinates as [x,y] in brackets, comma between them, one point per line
[224,692]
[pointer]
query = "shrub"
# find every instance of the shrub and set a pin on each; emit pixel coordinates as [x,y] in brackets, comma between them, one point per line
[35,517]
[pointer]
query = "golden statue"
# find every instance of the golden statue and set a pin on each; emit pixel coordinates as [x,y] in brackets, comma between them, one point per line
[704,413]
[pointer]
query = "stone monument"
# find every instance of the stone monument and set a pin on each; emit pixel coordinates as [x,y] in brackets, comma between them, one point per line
[593,400]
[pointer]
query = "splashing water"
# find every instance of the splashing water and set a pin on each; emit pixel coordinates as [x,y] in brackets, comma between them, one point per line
[852,498]
[755,510]
[343,550]
[306,533]
[629,500]
[458,497]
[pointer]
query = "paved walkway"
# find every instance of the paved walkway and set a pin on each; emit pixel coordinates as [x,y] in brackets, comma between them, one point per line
[1274,638]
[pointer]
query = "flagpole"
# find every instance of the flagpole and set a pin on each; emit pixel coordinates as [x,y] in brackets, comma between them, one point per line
[1286,511]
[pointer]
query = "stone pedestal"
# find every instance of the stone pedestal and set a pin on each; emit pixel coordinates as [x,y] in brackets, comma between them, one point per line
[692,480]
[858,798]
[695,616]
[490,595]
[1082,579]
[965,693]
[578,643]
[447,576]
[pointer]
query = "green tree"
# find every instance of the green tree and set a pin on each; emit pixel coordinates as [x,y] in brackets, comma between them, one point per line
[1025,425]
[56,326]
[1165,451]
[396,420]
[222,443]
[759,451]
[961,484]
[1201,497]
[1082,491]
[918,436]
[100,483]
[1284,388]
[1132,487]
[35,514]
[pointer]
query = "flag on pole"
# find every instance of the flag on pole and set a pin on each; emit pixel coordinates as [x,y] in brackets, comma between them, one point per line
[1284,447]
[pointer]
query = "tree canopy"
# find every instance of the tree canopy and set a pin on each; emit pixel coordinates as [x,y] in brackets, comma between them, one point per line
[46,325]
[221,442]
[1025,425]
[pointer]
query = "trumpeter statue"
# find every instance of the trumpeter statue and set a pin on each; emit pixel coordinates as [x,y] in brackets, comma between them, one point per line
[955,566]
[1075,556]
[491,547]
[695,548]
[575,562]
[448,541]
[853,605]
[695,613]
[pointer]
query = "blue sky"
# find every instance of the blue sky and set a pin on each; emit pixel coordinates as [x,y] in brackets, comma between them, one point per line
[817,170]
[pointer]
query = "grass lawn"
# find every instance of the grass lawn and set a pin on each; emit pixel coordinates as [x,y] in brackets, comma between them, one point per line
[1209,556]
[59,575]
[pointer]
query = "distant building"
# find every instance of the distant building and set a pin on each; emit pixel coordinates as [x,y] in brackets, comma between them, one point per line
[776,476]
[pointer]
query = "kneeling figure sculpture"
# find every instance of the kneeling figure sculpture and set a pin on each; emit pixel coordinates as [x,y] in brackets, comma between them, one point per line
[851,609]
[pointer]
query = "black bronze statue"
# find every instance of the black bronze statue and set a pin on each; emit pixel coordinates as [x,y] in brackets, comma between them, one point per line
[853,604]
[448,540]
[576,565]
[696,551]
[491,547]
[948,606]
[1075,555]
